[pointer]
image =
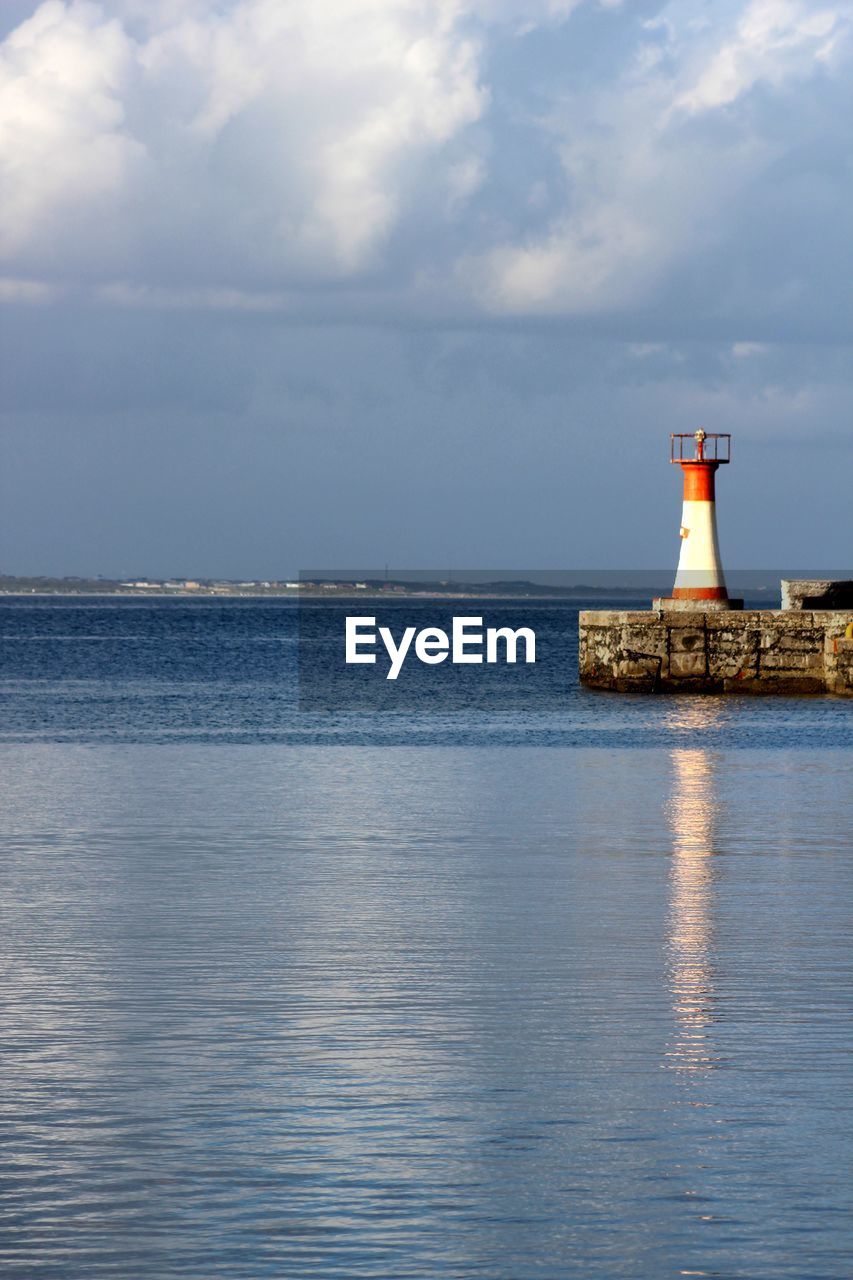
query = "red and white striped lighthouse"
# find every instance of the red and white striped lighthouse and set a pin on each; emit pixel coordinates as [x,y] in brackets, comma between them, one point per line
[699,581]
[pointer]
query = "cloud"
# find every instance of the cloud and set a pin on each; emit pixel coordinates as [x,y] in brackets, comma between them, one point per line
[743,350]
[16,290]
[663,191]
[772,41]
[255,137]
[449,160]
[64,149]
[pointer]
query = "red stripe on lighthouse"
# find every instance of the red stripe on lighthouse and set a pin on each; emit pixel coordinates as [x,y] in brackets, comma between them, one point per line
[699,481]
[700,593]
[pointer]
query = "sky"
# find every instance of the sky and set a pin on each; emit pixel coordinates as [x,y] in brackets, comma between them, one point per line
[421,282]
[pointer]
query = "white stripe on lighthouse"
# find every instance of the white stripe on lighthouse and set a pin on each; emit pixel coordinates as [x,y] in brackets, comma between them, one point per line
[699,565]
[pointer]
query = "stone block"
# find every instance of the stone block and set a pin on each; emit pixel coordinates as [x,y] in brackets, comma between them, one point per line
[648,638]
[817,593]
[733,666]
[687,664]
[734,621]
[688,618]
[786,660]
[637,668]
[839,667]
[686,639]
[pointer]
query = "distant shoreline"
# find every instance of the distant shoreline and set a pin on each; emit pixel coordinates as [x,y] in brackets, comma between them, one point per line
[313,595]
[319,588]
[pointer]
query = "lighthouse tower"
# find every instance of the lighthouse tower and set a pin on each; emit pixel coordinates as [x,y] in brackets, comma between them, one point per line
[699,581]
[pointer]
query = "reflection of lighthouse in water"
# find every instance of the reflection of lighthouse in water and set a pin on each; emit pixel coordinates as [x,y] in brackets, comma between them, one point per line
[690,938]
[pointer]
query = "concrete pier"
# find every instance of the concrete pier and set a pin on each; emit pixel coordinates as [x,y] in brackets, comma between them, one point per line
[754,651]
[817,593]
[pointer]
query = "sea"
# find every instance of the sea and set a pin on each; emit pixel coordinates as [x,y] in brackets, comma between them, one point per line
[558,989]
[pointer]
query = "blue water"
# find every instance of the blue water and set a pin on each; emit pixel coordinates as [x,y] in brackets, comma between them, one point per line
[562,993]
[129,670]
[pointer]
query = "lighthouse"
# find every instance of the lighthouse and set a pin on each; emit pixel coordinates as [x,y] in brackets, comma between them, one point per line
[699,581]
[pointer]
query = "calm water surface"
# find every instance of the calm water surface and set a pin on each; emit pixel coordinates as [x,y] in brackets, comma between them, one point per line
[314,1003]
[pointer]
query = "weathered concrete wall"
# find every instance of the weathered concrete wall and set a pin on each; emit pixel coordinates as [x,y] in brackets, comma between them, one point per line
[756,651]
[817,593]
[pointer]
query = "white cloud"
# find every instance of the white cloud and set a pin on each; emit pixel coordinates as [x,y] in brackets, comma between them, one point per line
[282,134]
[63,144]
[773,40]
[216,150]
[121,293]
[743,350]
[637,200]
[647,192]
[15,290]
[598,259]
[642,350]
